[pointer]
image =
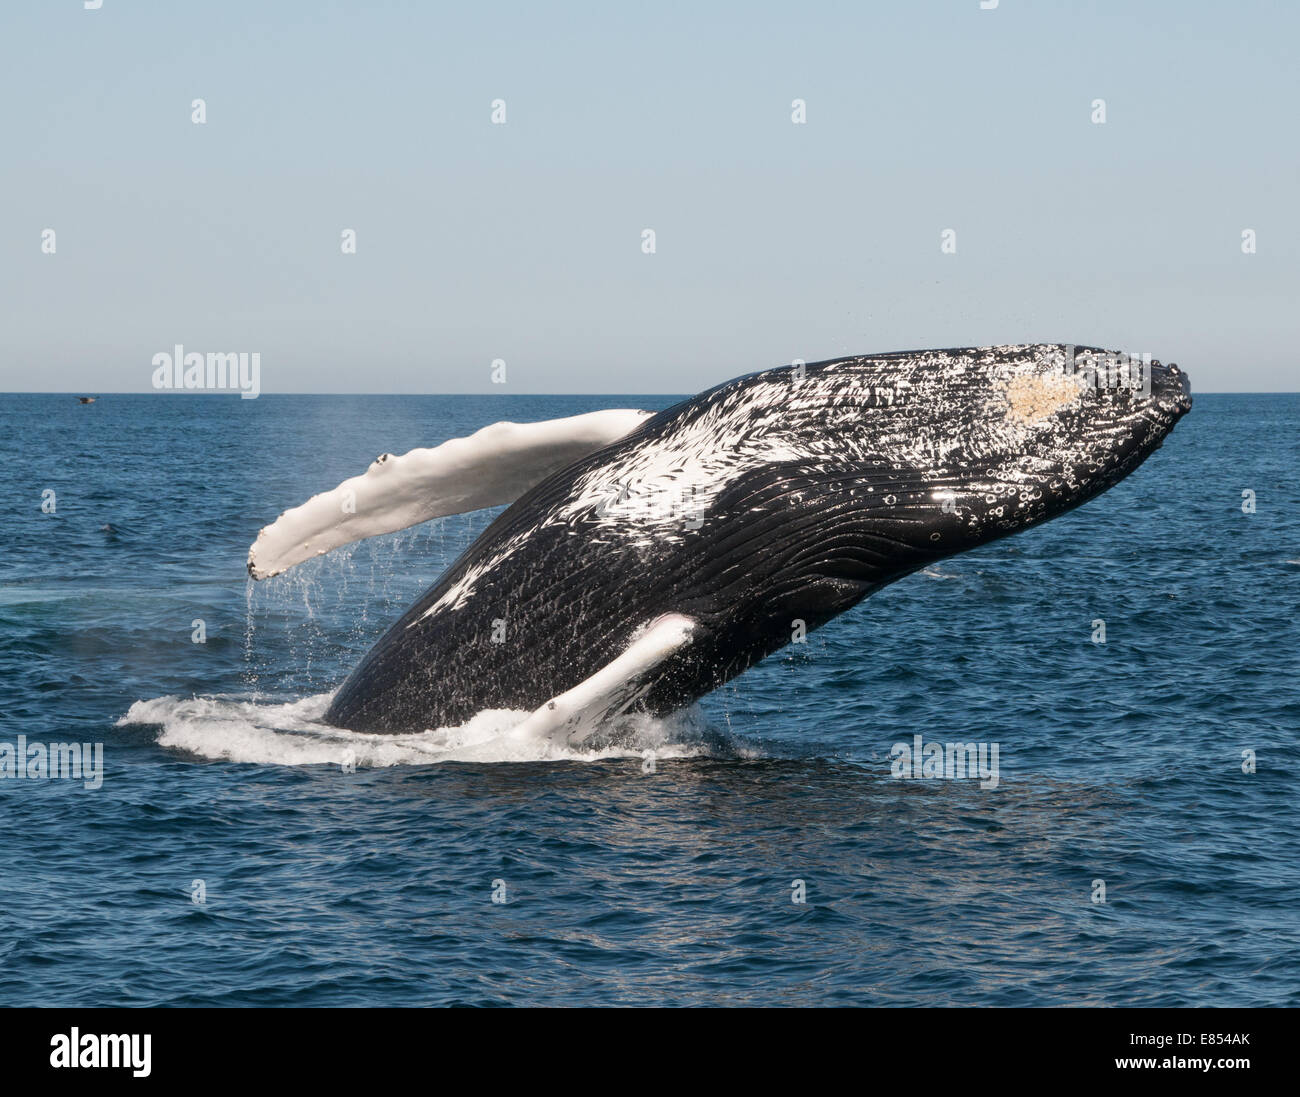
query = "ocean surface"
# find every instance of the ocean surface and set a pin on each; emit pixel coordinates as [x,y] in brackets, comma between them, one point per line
[232,856]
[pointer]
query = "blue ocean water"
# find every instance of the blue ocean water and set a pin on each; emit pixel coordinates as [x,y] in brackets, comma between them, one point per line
[1120,764]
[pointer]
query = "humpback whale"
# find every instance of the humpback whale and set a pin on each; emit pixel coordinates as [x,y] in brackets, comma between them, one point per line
[645,559]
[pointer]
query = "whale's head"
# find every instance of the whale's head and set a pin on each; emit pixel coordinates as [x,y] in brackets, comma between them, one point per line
[848,474]
[1004,437]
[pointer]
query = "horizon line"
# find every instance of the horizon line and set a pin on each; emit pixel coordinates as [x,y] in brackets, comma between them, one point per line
[171,393]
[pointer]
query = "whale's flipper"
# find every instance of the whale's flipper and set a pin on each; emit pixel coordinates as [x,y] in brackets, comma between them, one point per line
[491,467]
[572,716]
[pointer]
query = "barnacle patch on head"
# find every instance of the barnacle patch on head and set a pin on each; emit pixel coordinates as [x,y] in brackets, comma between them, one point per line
[1033,396]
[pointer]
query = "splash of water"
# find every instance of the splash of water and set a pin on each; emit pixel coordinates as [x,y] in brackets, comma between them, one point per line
[245,729]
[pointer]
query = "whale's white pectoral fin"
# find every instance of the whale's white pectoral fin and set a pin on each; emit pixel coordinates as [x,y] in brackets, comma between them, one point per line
[573,715]
[491,467]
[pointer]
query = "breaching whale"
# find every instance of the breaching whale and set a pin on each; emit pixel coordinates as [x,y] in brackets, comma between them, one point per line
[646,558]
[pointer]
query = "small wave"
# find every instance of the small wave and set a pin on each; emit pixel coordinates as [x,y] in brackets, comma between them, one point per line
[935,573]
[240,729]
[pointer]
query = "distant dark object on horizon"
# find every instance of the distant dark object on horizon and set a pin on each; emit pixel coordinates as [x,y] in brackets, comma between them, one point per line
[87,399]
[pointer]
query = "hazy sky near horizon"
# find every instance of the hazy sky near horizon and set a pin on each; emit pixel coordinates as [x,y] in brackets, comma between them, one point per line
[524,241]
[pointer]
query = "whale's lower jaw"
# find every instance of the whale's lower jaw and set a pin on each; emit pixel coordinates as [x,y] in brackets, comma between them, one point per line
[806,496]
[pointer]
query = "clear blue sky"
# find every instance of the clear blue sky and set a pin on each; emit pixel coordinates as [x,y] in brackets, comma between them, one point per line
[523,242]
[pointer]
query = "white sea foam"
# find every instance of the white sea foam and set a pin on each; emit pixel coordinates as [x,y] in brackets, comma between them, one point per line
[241,729]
